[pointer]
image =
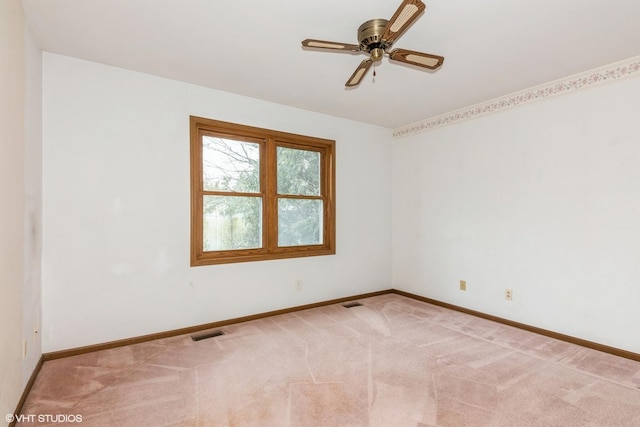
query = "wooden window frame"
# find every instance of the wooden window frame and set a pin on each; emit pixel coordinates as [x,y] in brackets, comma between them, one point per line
[269,140]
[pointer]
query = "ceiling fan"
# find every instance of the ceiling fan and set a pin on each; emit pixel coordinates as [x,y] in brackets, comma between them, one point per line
[376,37]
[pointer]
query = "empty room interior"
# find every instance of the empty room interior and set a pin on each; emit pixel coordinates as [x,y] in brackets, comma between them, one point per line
[476,252]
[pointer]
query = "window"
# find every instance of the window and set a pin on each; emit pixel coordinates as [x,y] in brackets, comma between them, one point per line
[258,194]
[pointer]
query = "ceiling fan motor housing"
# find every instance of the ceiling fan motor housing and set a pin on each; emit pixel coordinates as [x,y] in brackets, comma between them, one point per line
[370,38]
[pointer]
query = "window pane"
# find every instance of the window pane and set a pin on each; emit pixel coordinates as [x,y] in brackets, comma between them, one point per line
[232,222]
[299,222]
[230,165]
[298,172]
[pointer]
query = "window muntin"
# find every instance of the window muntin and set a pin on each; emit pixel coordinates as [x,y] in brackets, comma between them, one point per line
[259,194]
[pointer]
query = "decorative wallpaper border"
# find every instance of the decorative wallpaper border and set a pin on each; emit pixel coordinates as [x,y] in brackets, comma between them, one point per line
[572,83]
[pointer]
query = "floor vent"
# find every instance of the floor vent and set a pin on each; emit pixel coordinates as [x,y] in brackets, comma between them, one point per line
[206,335]
[351,304]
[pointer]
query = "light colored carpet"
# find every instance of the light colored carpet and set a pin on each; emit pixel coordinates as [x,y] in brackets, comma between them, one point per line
[391,362]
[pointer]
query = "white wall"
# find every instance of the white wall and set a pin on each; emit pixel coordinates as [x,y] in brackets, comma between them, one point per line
[20,206]
[32,290]
[12,209]
[116,208]
[543,199]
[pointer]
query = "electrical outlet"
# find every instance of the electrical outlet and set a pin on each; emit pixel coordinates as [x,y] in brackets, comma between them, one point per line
[463,285]
[508,294]
[298,285]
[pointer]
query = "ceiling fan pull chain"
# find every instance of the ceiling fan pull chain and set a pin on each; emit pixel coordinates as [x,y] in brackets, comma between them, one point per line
[374,72]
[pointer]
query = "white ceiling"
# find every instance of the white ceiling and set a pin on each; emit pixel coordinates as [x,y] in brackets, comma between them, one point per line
[491,47]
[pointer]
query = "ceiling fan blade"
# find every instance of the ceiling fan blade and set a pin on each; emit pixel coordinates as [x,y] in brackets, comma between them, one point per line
[321,44]
[406,14]
[425,60]
[359,73]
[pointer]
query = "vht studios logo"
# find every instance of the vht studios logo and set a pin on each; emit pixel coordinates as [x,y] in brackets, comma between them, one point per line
[44,418]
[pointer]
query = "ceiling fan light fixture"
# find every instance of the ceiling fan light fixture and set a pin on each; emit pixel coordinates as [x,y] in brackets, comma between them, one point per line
[376,54]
